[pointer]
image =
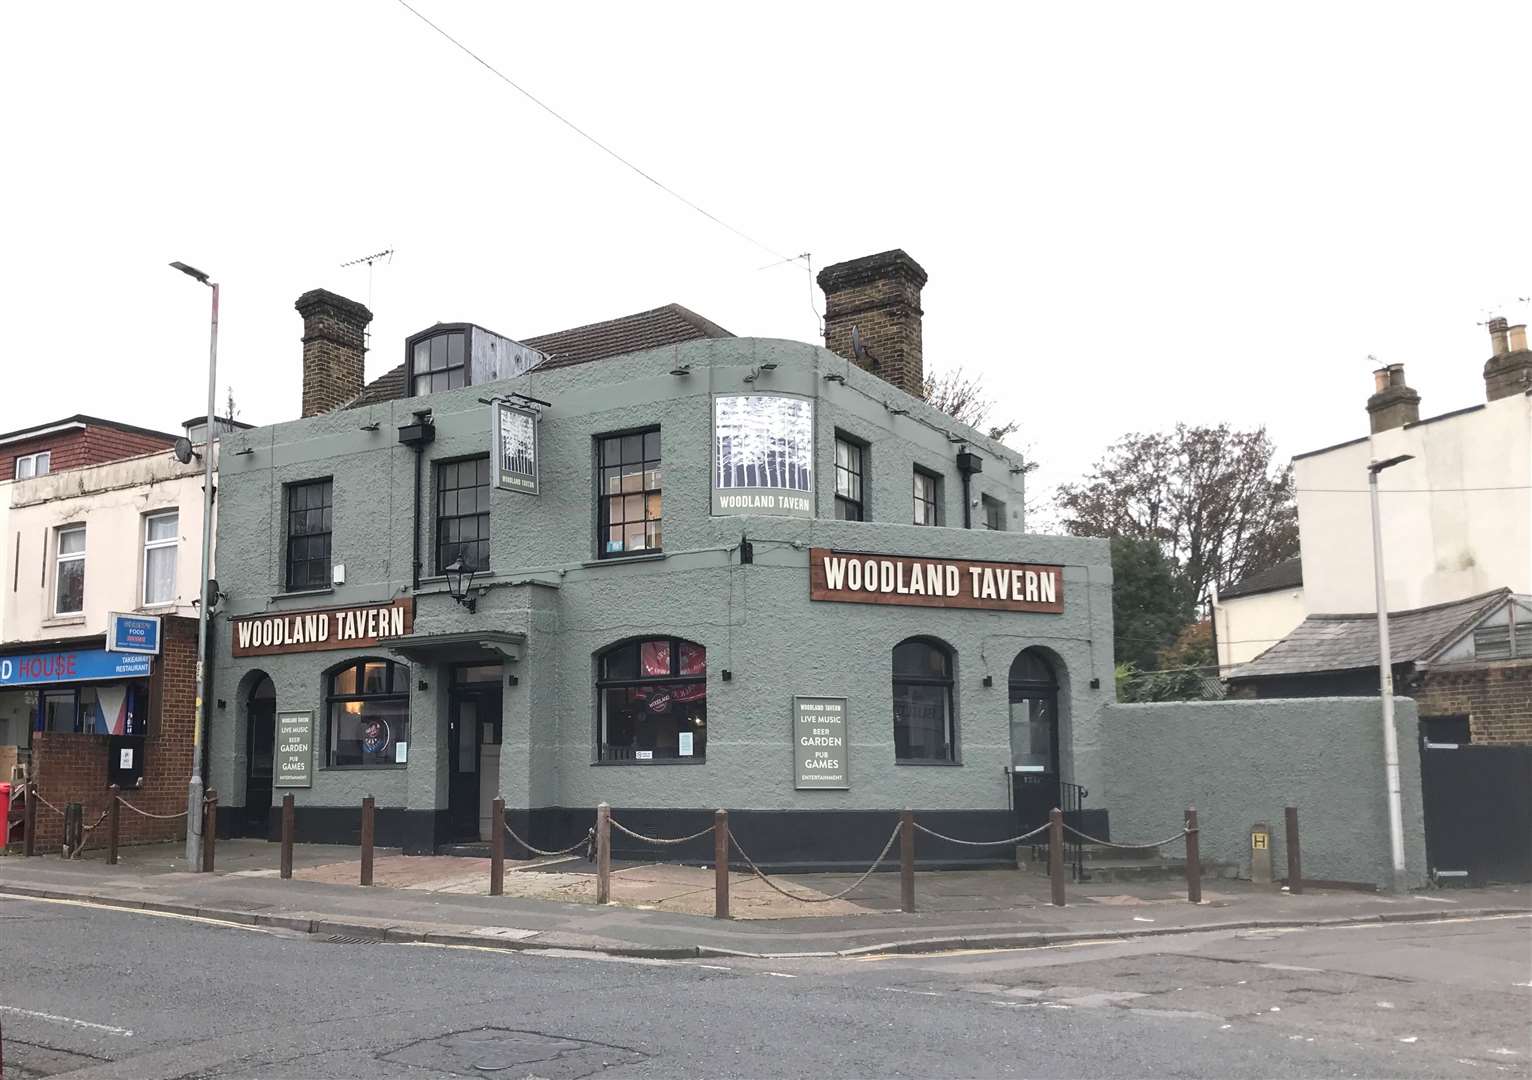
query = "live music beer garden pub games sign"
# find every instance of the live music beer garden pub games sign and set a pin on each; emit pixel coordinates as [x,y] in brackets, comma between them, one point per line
[328,628]
[862,578]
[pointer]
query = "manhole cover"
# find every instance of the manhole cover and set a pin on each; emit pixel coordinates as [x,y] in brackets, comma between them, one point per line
[513,1055]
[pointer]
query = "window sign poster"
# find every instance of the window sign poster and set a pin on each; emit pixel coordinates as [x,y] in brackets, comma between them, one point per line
[515,448]
[821,750]
[763,454]
[295,750]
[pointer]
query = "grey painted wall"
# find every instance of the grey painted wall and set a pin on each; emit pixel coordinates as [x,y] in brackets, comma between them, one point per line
[755,620]
[1242,762]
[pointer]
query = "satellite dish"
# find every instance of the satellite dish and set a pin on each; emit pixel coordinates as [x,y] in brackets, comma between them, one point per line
[183,450]
[858,350]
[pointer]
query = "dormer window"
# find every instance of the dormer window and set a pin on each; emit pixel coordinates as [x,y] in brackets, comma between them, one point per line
[439,362]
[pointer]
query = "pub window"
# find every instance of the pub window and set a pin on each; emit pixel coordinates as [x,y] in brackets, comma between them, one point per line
[162,535]
[462,514]
[30,465]
[628,493]
[368,702]
[928,498]
[652,701]
[439,362]
[923,729]
[309,508]
[69,571]
[994,514]
[850,504]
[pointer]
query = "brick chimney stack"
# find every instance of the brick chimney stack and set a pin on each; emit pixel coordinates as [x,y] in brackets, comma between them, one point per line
[1509,371]
[880,296]
[334,345]
[1393,404]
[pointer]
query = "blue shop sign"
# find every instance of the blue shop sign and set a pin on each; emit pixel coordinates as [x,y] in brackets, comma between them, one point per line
[82,665]
[133,633]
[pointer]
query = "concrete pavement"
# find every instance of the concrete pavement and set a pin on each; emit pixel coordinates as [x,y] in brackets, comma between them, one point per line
[957,909]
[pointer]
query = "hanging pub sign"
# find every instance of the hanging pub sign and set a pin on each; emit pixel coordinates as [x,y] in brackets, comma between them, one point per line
[514,438]
[763,454]
[294,756]
[315,631]
[820,746]
[854,577]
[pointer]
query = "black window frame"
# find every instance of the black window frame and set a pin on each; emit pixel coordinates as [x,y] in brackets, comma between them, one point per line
[483,487]
[988,503]
[443,331]
[326,509]
[605,752]
[845,504]
[948,681]
[397,690]
[605,498]
[934,503]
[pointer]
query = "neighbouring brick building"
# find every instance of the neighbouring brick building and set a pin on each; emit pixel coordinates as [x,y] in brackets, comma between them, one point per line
[98,629]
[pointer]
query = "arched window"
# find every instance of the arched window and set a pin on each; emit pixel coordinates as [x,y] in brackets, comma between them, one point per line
[652,700]
[923,729]
[368,703]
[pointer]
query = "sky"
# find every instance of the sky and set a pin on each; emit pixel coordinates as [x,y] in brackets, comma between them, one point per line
[1131,214]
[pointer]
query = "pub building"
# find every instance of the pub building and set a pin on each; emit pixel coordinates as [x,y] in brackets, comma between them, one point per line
[649,563]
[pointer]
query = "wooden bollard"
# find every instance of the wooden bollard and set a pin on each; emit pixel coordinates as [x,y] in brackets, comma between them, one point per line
[368,808]
[209,829]
[1056,855]
[1294,861]
[1193,858]
[29,821]
[720,864]
[907,861]
[603,853]
[113,825]
[287,836]
[497,848]
[73,813]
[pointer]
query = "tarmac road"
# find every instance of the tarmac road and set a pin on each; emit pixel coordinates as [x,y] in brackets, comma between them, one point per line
[97,993]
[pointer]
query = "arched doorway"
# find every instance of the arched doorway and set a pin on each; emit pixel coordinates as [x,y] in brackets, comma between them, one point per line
[260,742]
[1034,702]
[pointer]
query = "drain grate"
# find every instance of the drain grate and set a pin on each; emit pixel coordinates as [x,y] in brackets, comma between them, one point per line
[345,939]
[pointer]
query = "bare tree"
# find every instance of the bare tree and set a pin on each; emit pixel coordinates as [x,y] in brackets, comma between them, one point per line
[963,397]
[1212,497]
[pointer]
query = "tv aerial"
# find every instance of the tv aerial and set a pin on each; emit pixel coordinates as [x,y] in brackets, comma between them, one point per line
[375,257]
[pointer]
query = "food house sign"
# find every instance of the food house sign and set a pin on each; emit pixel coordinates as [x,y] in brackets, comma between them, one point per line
[330,628]
[862,578]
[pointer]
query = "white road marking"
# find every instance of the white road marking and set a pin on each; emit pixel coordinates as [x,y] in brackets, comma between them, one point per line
[779,974]
[1289,967]
[206,921]
[1410,1039]
[902,990]
[1505,1050]
[67,1021]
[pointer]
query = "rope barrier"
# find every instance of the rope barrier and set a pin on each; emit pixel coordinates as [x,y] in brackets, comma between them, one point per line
[756,870]
[147,814]
[85,831]
[1179,834]
[582,842]
[38,796]
[656,840]
[982,843]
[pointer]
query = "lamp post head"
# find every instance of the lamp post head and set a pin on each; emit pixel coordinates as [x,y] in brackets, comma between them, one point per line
[1388,463]
[192,271]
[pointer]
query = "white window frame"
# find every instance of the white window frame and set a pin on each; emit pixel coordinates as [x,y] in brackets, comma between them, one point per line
[173,542]
[45,457]
[59,558]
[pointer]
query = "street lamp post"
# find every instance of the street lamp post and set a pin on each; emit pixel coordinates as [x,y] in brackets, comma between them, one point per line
[194,786]
[1386,676]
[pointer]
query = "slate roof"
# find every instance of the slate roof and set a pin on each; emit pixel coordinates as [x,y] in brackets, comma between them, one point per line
[1325,643]
[654,329]
[1285,575]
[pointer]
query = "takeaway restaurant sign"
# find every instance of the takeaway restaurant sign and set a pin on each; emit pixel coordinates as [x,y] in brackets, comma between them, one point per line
[854,577]
[314,631]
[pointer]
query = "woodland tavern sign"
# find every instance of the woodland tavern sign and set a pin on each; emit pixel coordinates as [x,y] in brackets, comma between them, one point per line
[329,628]
[863,578]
